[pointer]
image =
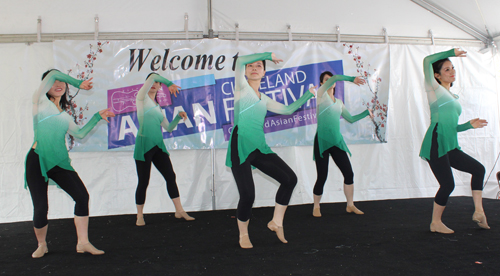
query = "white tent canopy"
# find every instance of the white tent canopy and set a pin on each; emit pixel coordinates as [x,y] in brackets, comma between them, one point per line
[409,18]
[382,171]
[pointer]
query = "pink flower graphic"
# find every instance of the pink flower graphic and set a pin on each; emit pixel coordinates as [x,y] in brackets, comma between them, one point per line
[73,110]
[379,109]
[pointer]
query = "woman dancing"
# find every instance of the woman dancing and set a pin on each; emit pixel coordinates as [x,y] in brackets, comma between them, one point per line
[49,158]
[440,146]
[149,145]
[329,140]
[247,146]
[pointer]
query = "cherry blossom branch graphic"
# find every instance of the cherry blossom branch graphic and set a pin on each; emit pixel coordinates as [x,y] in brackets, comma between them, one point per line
[373,82]
[78,113]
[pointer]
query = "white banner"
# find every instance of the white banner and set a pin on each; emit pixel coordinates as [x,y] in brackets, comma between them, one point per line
[204,69]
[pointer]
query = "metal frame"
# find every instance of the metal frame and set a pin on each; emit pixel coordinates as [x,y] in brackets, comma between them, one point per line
[482,38]
[239,36]
[347,38]
[456,21]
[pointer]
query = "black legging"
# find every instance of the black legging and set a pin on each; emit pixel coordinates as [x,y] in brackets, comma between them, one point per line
[270,164]
[69,181]
[341,160]
[441,167]
[161,160]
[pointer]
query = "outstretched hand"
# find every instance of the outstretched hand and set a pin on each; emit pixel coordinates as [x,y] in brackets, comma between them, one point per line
[174,89]
[478,123]
[105,113]
[183,115]
[371,113]
[460,53]
[275,59]
[359,80]
[313,90]
[87,84]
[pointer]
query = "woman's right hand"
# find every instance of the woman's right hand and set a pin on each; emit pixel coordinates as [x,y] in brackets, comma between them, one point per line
[174,89]
[275,59]
[460,53]
[87,84]
[106,113]
[478,123]
[183,115]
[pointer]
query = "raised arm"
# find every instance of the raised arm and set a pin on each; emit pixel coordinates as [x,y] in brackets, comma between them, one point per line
[49,80]
[239,70]
[430,82]
[142,93]
[149,82]
[280,108]
[351,119]
[80,133]
[330,82]
[47,83]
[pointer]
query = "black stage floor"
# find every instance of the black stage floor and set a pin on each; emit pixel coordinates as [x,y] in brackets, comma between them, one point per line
[392,238]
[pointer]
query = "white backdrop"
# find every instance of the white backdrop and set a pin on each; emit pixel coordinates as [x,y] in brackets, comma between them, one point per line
[382,171]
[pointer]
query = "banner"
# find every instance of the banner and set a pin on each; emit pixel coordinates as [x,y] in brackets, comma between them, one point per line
[204,69]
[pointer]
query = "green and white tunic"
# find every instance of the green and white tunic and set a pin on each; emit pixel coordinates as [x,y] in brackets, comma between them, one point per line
[328,113]
[51,125]
[250,111]
[151,119]
[445,110]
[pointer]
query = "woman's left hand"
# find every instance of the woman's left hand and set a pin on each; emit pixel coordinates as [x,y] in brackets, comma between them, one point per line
[87,84]
[313,90]
[183,115]
[359,80]
[105,113]
[478,123]
[174,89]
[371,112]
[275,59]
[460,53]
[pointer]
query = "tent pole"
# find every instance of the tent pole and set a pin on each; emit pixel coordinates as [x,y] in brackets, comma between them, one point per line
[212,153]
[210,27]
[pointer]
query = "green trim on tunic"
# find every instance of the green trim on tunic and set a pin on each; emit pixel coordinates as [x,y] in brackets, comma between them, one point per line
[51,125]
[250,111]
[328,115]
[445,110]
[151,119]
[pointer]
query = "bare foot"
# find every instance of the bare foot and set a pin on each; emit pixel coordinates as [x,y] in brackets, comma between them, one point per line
[183,215]
[40,251]
[140,221]
[353,209]
[245,242]
[316,212]
[441,228]
[278,229]
[480,219]
[88,248]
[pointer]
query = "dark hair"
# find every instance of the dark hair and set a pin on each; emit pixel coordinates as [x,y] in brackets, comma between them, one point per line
[437,66]
[63,103]
[263,64]
[323,75]
[156,96]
